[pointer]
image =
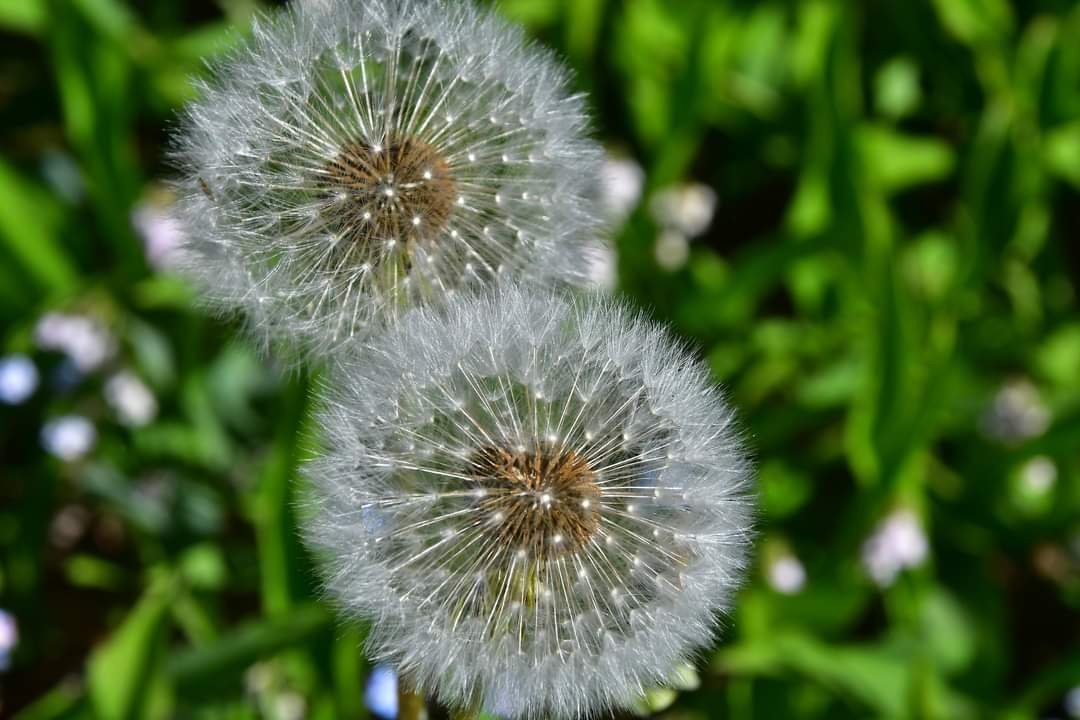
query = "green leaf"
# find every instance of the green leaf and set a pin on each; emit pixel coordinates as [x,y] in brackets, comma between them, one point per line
[975,21]
[782,489]
[90,51]
[1061,152]
[896,88]
[27,16]
[92,572]
[222,662]
[203,566]
[350,669]
[877,677]
[897,161]
[947,630]
[124,676]
[109,17]
[1058,357]
[531,13]
[63,702]
[29,228]
[275,520]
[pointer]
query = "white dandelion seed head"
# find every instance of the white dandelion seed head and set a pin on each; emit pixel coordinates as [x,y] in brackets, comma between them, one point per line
[357,158]
[541,502]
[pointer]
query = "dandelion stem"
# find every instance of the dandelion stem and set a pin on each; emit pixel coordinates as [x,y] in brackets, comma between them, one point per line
[465,712]
[410,703]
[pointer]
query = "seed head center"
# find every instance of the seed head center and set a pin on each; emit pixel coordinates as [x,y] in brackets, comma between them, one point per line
[399,191]
[545,502]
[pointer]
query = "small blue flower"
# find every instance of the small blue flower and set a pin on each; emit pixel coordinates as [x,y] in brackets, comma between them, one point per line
[9,638]
[381,694]
[18,379]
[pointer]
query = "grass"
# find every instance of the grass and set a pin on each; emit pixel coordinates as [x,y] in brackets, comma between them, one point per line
[888,290]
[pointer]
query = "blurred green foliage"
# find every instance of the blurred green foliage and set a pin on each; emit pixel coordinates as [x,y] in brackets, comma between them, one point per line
[887,289]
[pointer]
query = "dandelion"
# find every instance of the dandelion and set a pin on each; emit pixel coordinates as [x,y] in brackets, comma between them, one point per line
[601,269]
[540,502]
[355,159]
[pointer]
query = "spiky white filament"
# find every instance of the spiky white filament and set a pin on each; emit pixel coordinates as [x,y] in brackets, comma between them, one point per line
[271,229]
[414,543]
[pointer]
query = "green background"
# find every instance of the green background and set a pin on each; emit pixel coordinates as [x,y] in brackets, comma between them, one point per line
[896,241]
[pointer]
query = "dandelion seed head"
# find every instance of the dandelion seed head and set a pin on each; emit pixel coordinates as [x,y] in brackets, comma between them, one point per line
[488,499]
[348,143]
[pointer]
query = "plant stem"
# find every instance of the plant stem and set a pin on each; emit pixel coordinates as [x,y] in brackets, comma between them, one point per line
[410,704]
[465,712]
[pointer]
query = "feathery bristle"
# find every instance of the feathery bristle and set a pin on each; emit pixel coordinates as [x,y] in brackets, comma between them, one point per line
[540,501]
[360,157]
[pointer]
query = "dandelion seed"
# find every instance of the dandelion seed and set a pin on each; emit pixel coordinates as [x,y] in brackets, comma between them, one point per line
[550,592]
[366,123]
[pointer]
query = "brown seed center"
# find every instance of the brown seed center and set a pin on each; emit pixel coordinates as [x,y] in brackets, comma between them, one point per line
[544,502]
[401,190]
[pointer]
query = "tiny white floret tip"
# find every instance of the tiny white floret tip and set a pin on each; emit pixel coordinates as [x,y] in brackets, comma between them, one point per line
[357,158]
[540,502]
